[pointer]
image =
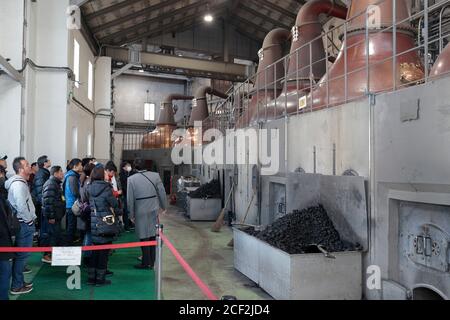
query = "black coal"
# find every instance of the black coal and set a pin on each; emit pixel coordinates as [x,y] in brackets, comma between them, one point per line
[208,190]
[300,231]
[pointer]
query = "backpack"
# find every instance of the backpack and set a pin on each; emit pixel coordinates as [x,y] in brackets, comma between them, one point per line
[11,219]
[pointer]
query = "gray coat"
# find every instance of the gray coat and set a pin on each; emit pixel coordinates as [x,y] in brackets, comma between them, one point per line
[144,199]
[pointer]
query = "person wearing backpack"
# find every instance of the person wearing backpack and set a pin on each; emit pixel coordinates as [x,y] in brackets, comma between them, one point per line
[20,201]
[104,224]
[53,210]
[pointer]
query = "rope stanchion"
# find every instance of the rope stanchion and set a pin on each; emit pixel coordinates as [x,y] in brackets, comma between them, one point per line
[203,287]
[85,248]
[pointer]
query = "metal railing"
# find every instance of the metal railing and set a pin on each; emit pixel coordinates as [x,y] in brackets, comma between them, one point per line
[274,100]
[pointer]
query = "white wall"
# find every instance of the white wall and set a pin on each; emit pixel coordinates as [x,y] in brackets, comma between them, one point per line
[50,86]
[102,107]
[11,30]
[130,95]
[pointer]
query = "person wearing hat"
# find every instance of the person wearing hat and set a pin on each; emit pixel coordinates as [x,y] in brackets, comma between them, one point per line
[3,191]
[3,162]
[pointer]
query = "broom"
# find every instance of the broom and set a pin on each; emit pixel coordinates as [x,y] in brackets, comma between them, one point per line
[231,243]
[219,222]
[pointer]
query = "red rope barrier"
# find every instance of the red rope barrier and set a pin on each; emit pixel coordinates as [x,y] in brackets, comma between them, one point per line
[203,287]
[85,248]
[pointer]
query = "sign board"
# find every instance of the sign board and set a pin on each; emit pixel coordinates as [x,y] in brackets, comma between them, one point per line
[66,256]
[302,103]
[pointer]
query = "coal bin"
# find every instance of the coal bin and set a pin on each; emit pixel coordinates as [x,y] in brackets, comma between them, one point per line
[207,190]
[300,231]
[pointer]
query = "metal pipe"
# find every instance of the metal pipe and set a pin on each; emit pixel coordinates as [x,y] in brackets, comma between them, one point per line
[159,255]
[425,36]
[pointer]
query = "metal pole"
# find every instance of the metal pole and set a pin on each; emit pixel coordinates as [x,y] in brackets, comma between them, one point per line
[310,77]
[425,36]
[367,52]
[345,62]
[394,44]
[159,229]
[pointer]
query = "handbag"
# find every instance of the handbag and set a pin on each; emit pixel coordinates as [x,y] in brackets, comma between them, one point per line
[106,224]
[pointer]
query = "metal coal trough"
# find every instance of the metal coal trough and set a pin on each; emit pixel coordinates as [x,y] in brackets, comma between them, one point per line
[311,276]
[203,209]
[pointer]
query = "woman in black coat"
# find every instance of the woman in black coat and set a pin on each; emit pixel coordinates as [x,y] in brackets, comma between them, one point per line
[103,204]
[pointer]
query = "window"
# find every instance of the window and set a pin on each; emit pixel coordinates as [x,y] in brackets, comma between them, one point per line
[74,142]
[76,62]
[149,112]
[89,145]
[91,81]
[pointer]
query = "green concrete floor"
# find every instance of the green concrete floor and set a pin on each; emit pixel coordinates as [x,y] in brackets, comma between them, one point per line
[127,283]
[206,252]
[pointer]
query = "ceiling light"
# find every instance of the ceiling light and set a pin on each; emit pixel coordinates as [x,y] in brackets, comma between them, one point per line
[208,17]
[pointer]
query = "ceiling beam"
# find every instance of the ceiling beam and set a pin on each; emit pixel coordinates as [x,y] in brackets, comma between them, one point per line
[213,69]
[275,7]
[255,26]
[147,23]
[112,8]
[165,28]
[133,15]
[249,35]
[264,17]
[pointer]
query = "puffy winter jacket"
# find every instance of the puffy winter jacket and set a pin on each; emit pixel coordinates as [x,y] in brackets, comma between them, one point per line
[20,198]
[53,205]
[5,232]
[38,183]
[71,187]
[101,200]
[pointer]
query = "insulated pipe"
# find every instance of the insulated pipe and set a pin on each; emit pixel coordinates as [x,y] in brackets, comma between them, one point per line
[307,28]
[442,64]
[199,105]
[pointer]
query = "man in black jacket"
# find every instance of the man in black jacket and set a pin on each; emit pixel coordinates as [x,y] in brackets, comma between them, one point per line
[5,258]
[53,210]
[40,178]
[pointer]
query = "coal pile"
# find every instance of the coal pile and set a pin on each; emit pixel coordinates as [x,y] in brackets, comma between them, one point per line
[208,190]
[300,231]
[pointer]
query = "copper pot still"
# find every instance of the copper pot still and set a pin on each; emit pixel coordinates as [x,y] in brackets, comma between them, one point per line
[380,76]
[358,80]
[161,137]
[442,65]
[307,29]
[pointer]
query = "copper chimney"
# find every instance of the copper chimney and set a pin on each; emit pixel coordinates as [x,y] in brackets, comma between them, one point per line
[442,64]
[161,137]
[308,29]
[200,106]
[268,80]
[380,74]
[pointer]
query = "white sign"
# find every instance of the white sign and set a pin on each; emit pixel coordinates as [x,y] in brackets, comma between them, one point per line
[302,103]
[66,256]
